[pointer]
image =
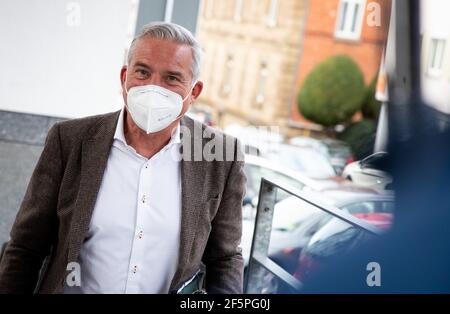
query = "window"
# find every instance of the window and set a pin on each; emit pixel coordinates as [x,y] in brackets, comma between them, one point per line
[238,10]
[260,94]
[273,13]
[377,161]
[226,85]
[350,19]
[436,56]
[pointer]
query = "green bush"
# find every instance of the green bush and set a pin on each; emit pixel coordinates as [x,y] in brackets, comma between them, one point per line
[333,92]
[371,107]
[361,138]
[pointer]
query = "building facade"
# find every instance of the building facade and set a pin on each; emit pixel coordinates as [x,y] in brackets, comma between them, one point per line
[252,49]
[357,28]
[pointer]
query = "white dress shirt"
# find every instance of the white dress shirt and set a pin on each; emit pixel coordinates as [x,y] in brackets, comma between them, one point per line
[132,245]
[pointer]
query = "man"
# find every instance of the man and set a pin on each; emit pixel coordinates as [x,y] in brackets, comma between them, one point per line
[108,199]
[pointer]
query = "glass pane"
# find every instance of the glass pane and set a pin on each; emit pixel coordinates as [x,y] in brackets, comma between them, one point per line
[306,160]
[304,236]
[343,16]
[356,9]
[334,239]
[433,53]
[295,223]
[440,54]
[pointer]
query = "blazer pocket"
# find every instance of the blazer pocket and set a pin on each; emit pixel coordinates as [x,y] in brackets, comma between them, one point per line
[214,197]
[212,205]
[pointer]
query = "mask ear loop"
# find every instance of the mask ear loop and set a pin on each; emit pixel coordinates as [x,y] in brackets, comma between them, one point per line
[184,99]
[190,91]
[126,81]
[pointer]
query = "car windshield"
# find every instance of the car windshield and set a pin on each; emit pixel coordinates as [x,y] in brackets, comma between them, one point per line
[256,173]
[336,237]
[339,151]
[376,161]
[305,160]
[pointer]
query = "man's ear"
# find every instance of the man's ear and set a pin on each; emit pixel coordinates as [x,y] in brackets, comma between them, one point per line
[197,90]
[123,75]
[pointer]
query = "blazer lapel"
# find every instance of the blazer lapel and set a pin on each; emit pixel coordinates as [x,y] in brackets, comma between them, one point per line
[192,178]
[94,156]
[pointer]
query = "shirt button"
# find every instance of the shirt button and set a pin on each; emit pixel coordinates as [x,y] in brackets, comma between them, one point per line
[143,199]
[140,234]
[134,269]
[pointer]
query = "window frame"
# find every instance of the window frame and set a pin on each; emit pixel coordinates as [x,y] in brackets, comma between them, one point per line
[345,32]
[263,76]
[433,52]
[238,7]
[272,15]
[226,87]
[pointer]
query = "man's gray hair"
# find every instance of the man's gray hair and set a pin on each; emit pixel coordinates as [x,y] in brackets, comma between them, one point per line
[175,33]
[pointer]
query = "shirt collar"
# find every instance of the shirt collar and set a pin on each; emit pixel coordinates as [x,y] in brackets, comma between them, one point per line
[119,133]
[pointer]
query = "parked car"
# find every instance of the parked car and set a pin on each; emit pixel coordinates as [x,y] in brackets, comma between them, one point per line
[302,141]
[257,168]
[305,160]
[291,232]
[338,152]
[370,172]
[287,244]
[255,140]
[336,238]
[295,228]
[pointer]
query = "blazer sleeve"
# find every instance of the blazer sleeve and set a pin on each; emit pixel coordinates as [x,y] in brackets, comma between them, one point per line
[223,256]
[35,227]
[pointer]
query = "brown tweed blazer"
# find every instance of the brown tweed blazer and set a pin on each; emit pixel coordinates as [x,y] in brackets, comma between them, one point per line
[56,211]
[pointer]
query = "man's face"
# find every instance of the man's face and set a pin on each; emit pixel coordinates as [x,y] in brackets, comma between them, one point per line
[163,63]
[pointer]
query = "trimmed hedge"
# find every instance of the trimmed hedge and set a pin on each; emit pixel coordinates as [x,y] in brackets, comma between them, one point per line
[333,92]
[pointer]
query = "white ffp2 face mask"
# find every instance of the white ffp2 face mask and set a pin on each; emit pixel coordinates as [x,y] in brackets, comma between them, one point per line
[153,108]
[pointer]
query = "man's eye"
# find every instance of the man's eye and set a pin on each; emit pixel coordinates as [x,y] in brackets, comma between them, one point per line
[172,78]
[142,73]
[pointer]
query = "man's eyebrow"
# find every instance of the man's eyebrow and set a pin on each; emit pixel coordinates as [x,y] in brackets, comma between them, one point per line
[176,73]
[141,64]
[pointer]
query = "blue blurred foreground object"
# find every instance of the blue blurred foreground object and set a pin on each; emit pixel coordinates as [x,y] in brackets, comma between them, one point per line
[414,257]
